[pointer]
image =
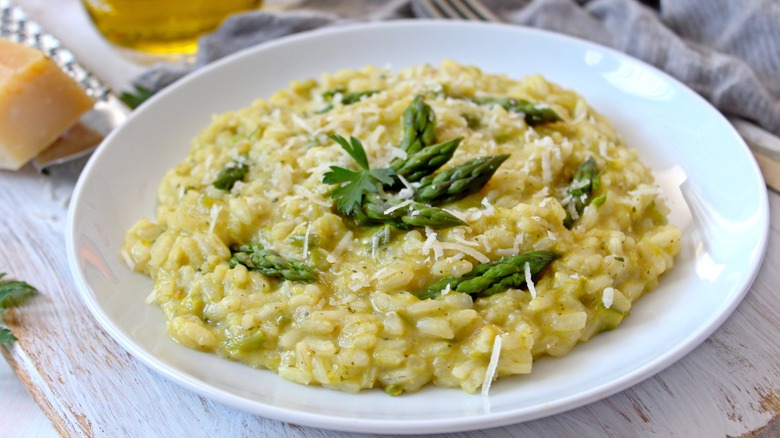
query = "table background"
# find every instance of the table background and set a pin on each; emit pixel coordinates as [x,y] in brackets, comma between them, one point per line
[729,386]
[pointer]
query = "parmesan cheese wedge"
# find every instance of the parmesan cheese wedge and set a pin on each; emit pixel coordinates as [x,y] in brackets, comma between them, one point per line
[38,102]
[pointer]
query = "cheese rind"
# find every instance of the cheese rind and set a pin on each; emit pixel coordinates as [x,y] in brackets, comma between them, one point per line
[38,102]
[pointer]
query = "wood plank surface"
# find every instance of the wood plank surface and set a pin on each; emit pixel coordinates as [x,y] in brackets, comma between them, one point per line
[86,385]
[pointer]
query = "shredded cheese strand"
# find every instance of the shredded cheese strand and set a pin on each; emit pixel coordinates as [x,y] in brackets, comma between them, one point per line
[490,372]
[482,258]
[529,281]
[214,214]
[398,207]
[332,257]
[306,193]
[306,241]
[607,297]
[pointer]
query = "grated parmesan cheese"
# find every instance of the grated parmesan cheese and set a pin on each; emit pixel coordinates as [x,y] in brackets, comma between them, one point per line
[551,235]
[447,289]
[485,242]
[603,151]
[332,257]
[645,190]
[458,214]
[306,193]
[489,209]
[398,207]
[530,134]
[581,115]
[306,241]
[301,123]
[515,247]
[432,244]
[607,297]
[374,245]
[482,258]
[490,372]
[529,281]
[548,144]
[128,259]
[460,238]
[214,214]
[398,153]
[407,192]
[359,281]
[475,215]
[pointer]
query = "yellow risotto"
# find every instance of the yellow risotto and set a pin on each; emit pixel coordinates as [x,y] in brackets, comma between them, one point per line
[366,286]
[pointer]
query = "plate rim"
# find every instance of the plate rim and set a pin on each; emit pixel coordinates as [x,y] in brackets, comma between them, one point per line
[405,426]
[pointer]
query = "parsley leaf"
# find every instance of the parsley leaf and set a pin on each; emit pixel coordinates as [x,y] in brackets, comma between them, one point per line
[6,337]
[135,98]
[355,184]
[12,293]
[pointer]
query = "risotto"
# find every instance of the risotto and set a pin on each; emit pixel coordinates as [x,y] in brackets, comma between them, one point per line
[391,229]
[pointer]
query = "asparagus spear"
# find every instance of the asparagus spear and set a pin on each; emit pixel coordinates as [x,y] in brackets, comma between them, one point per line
[419,135]
[533,114]
[347,98]
[419,126]
[458,182]
[230,174]
[586,181]
[426,161]
[271,264]
[493,277]
[375,210]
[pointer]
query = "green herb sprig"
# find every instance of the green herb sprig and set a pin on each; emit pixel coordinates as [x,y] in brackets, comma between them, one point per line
[12,294]
[135,98]
[355,185]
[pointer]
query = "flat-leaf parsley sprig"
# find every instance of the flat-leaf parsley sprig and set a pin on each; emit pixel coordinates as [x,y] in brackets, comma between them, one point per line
[358,196]
[12,294]
[355,184]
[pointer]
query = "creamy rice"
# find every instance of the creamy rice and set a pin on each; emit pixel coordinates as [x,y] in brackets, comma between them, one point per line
[360,324]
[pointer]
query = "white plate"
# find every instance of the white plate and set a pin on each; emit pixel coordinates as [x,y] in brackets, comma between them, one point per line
[713,185]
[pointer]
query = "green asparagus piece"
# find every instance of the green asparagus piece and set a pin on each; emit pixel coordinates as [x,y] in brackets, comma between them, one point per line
[419,126]
[374,210]
[423,157]
[347,98]
[458,182]
[426,161]
[493,277]
[586,181]
[246,344]
[533,114]
[230,174]
[271,264]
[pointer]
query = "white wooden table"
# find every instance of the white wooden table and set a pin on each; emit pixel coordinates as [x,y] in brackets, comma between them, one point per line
[83,384]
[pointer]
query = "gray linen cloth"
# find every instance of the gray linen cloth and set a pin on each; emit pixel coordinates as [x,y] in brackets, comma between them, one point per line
[726,50]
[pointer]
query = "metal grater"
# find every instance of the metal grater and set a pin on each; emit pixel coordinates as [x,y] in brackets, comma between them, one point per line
[108,111]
